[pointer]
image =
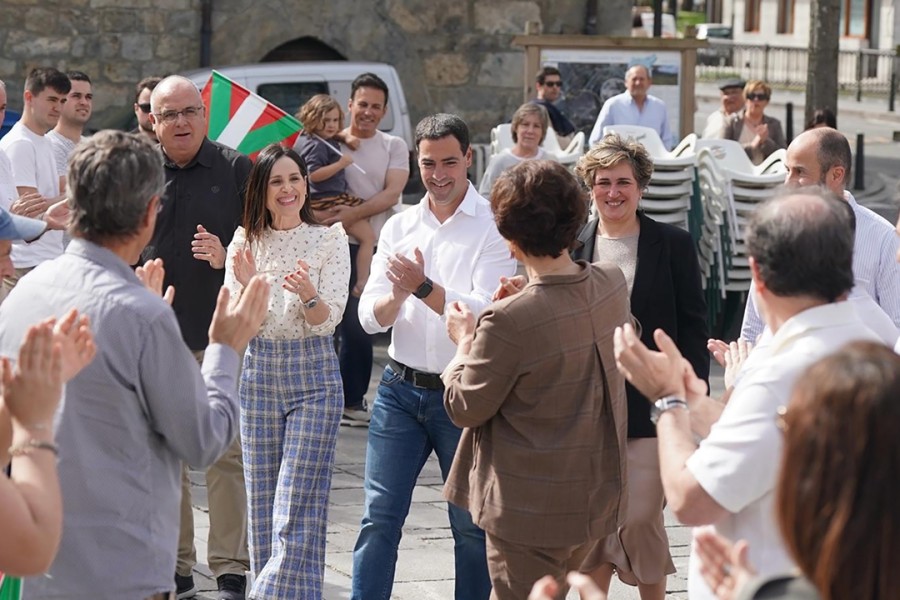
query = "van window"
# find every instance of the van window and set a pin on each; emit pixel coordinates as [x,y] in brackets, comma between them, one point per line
[289,97]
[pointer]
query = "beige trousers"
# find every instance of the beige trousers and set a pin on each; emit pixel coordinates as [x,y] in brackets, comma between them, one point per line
[227,497]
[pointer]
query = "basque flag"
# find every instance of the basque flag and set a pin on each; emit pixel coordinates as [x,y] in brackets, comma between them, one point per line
[240,119]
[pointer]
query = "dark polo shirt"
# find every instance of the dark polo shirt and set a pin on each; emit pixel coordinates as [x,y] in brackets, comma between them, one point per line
[561,125]
[209,191]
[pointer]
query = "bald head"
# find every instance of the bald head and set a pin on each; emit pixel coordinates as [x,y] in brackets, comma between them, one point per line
[173,84]
[802,244]
[179,118]
[819,157]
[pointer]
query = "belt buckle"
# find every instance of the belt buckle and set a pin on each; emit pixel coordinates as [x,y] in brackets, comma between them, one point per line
[415,379]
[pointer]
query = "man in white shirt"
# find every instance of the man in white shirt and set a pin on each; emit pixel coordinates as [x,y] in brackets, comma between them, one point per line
[384,163]
[34,167]
[731,94]
[75,114]
[822,157]
[728,480]
[444,249]
[635,106]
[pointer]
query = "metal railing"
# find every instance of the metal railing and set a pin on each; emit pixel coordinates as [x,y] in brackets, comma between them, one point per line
[869,72]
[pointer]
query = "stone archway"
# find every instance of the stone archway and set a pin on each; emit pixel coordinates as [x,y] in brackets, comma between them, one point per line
[305,48]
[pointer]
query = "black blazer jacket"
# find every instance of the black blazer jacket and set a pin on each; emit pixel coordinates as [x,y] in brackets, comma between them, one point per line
[667,294]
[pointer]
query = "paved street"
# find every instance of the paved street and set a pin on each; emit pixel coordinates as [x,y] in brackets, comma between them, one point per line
[425,567]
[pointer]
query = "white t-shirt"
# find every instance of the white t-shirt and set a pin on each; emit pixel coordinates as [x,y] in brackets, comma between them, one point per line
[62,149]
[8,193]
[738,463]
[33,165]
[375,155]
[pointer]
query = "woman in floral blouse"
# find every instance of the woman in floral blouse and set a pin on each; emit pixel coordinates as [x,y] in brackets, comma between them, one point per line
[290,389]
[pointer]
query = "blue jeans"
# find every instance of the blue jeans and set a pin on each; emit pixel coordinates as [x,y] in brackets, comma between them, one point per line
[407,424]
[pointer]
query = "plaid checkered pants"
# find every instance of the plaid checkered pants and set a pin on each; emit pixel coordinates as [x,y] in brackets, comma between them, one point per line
[291,403]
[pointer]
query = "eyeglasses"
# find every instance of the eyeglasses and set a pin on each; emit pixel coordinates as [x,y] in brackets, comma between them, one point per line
[761,97]
[553,84]
[170,116]
[145,107]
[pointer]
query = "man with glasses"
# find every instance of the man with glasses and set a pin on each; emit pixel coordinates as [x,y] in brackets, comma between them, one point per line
[201,207]
[142,93]
[731,95]
[548,84]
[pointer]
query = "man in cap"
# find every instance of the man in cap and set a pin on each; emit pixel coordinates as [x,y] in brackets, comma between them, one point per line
[732,99]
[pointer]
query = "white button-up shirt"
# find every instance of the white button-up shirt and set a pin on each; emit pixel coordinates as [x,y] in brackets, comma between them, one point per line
[623,110]
[465,254]
[875,271]
[737,464]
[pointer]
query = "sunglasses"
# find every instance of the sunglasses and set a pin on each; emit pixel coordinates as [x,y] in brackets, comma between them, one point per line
[145,108]
[757,97]
[553,84]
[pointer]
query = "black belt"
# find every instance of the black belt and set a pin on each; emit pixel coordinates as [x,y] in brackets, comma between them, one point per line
[420,379]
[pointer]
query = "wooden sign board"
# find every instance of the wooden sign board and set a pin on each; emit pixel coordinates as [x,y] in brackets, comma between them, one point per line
[593,70]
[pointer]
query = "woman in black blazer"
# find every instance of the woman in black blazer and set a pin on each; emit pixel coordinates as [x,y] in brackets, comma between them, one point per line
[663,274]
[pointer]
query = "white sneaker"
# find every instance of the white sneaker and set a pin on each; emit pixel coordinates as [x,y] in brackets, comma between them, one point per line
[356,417]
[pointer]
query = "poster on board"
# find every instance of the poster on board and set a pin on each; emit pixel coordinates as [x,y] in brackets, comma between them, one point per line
[591,77]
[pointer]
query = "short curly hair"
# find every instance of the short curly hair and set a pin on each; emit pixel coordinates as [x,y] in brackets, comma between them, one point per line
[312,114]
[539,206]
[609,152]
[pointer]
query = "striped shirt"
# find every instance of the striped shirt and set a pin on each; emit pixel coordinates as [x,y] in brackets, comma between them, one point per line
[875,269]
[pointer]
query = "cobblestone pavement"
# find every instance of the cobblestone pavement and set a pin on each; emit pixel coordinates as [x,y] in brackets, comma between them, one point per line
[425,565]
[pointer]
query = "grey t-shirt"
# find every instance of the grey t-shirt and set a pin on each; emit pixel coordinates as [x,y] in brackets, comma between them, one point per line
[317,154]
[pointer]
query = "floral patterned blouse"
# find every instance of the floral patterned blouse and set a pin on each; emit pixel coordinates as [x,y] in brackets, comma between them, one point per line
[276,253]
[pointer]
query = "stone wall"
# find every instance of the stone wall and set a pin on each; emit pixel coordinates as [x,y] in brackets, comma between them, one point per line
[452,56]
[116,42]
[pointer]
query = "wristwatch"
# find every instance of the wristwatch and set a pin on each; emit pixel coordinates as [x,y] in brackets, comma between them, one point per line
[311,303]
[423,290]
[666,403]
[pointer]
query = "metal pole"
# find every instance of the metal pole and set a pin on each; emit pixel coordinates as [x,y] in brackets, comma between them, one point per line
[657,18]
[789,122]
[206,33]
[859,182]
[765,76]
[892,93]
[859,69]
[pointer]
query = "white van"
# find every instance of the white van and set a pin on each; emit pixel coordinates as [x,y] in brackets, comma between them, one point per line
[288,85]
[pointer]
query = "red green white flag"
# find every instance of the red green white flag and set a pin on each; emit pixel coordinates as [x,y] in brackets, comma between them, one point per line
[10,587]
[240,119]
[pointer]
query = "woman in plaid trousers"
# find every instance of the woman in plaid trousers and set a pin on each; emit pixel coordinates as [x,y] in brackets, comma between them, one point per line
[290,389]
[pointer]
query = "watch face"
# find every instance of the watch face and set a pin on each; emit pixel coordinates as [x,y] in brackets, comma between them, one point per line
[423,290]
